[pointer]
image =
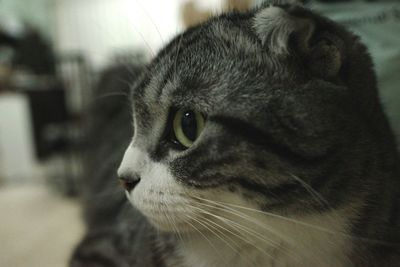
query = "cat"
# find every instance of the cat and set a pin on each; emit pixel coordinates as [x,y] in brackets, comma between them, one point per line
[259,140]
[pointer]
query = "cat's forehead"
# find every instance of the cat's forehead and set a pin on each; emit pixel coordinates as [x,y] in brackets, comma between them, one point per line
[218,61]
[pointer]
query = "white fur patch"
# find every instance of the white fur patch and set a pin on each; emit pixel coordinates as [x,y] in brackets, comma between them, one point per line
[158,196]
[319,240]
[133,161]
[220,228]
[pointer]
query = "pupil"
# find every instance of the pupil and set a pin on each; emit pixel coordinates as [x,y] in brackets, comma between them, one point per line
[189,125]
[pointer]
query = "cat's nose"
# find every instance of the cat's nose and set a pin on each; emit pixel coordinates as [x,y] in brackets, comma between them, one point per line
[129,182]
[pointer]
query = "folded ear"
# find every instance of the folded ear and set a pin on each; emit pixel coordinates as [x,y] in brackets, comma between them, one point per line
[295,31]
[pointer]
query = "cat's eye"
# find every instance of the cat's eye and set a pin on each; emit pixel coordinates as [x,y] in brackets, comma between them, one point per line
[187,126]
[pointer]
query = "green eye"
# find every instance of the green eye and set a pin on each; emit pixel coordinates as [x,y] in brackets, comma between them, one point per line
[188,125]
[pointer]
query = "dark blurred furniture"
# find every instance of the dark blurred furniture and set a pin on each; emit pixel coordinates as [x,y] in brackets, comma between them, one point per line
[34,53]
[7,40]
[48,108]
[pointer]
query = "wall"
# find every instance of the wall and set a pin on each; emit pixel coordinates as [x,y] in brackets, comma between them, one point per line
[97,27]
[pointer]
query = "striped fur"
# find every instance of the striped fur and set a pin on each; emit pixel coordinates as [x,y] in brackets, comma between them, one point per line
[296,166]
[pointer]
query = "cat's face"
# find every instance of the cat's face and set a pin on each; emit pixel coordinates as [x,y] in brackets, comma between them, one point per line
[223,117]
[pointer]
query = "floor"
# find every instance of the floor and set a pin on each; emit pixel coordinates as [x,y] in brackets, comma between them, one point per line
[38,227]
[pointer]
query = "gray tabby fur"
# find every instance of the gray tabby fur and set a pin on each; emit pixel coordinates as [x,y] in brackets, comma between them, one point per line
[296,166]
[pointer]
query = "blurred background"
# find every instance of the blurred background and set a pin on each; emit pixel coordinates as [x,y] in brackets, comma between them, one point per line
[61,58]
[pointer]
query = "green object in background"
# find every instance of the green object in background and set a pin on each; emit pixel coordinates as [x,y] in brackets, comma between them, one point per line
[378,25]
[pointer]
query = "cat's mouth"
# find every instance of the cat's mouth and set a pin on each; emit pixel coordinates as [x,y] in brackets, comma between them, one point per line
[166,211]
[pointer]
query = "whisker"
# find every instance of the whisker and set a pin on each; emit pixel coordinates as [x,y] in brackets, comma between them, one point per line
[151,20]
[171,222]
[177,54]
[109,95]
[177,230]
[144,40]
[127,82]
[241,227]
[204,236]
[269,214]
[219,231]
[246,217]
[241,237]
[210,229]
[248,230]
[298,222]
[312,191]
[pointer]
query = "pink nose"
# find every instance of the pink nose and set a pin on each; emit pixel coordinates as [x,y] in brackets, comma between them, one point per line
[129,183]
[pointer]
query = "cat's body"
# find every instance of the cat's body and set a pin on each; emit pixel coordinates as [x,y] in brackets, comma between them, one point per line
[295,164]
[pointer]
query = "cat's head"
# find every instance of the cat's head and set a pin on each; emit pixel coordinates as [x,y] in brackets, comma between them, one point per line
[255,110]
